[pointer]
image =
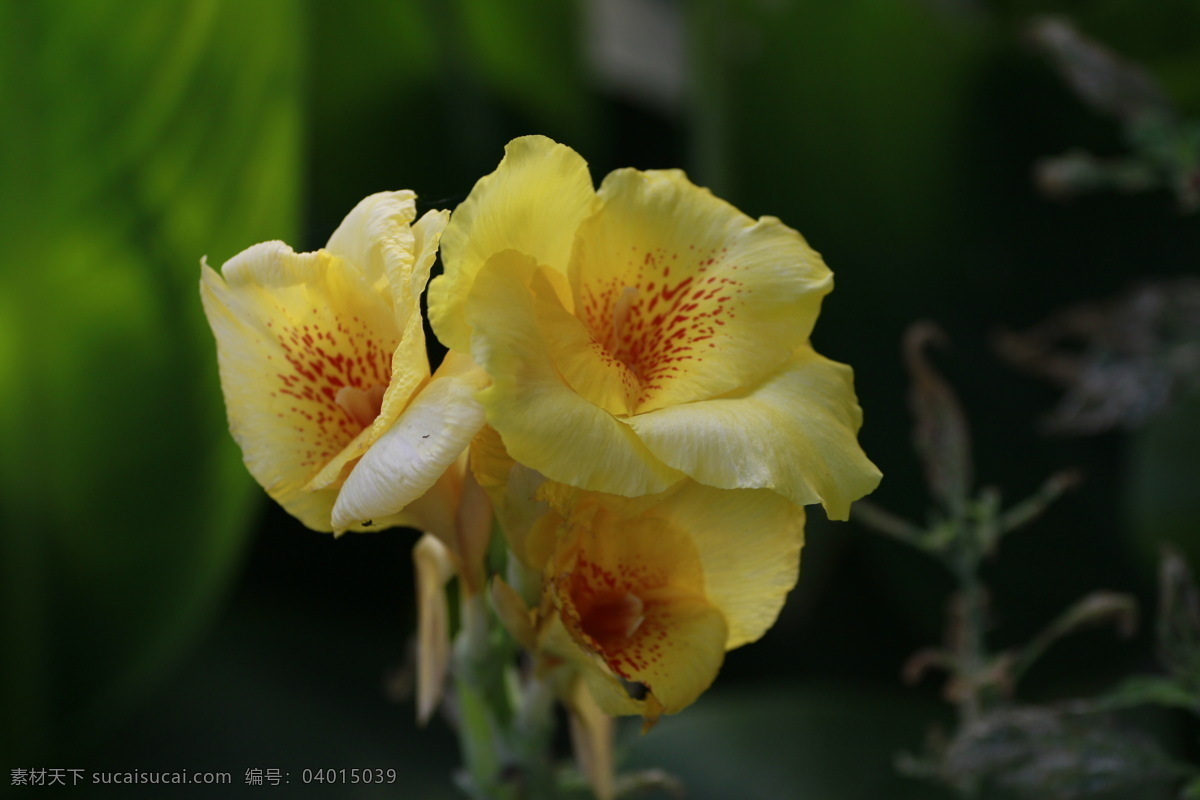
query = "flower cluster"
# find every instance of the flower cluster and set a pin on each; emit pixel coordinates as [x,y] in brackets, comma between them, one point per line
[630,388]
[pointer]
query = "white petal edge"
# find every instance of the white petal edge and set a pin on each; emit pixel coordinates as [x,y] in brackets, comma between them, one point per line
[424,442]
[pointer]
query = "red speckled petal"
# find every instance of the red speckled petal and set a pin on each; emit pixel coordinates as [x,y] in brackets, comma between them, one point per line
[543,422]
[693,295]
[629,591]
[285,350]
[421,445]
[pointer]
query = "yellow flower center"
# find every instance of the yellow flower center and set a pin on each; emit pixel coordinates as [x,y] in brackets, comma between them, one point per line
[612,618]
[620,317]
[362,405]
[656,323]
[615,608]
[335,375]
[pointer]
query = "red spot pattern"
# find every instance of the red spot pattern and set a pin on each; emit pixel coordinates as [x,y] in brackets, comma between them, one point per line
[598,612]
[324,354]
[673,320]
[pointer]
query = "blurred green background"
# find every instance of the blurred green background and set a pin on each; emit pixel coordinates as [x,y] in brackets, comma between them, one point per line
[158,612]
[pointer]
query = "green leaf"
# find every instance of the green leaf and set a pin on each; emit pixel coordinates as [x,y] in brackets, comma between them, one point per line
[1192,790]
[149,134]
[1143,690]
[1160,487]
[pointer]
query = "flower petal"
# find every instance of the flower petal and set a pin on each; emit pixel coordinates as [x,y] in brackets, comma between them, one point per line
[629,590]
[376,239]
[749,544]
[402,259]
[671,665]
[434,568]
[693,295]
[793,433]
[427,235]
[512,612]
[543,422]
[292,331]
[532,203]
[585,365]
[409,369]
[413,453]
[591,739]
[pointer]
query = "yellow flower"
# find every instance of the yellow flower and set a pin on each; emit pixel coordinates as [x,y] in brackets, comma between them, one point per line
[645,595]
[326,379]
[646,332]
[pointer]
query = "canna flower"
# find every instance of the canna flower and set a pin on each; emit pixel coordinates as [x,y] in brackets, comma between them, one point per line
[645,595]
[645,333]
[326,379]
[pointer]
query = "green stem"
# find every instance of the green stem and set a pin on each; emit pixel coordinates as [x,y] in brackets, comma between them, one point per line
[972,617]
[506,724]
[478,729]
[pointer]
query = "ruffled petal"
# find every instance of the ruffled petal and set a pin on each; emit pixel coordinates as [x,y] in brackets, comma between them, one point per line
[794,433]
[409,458]
[629,591]
[748,541]
[532,203]
[375,236]
[660,672]
[585,365]
[543,422]
[695,297]
[409,370]
[402,260]
[296,334]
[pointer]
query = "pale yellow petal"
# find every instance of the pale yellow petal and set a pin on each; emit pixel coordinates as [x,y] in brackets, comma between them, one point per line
[402,259]
[427,235]
[375,238]
[409,370]
[543,422]
[794,433]
[434,568]
[748,541]
[490,462]
[693,295]
[472,533]
[436,511]
[532,203]
[294,330]
[630,592]
[592,733]
[417,449]
[665,669]
[584,363]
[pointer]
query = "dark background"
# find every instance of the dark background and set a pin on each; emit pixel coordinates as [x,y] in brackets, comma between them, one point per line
[158,612]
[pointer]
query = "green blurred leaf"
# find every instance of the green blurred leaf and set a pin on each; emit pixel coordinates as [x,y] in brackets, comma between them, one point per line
[1161,501]
[833,113]
[528,52]
[145,135]
[1096,608]
[1146,690]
